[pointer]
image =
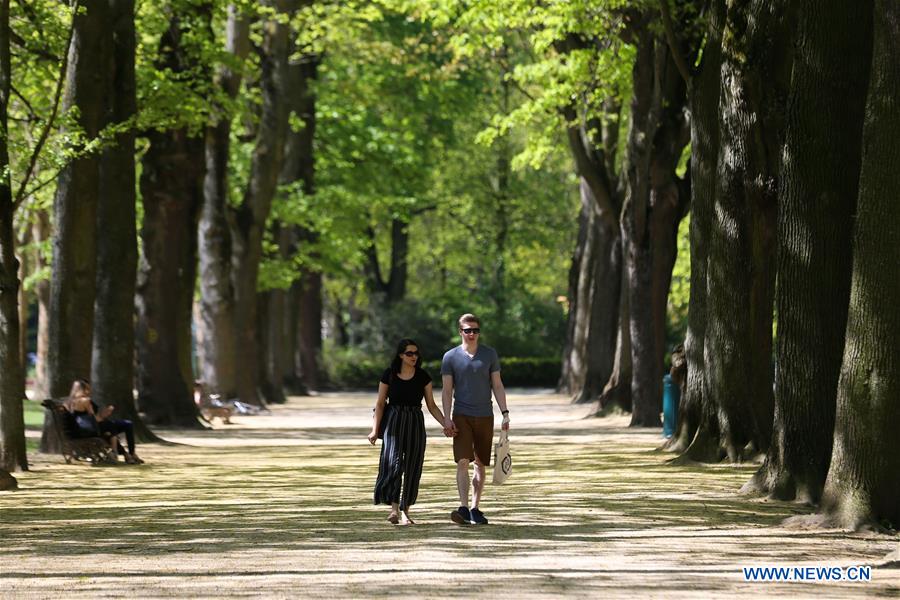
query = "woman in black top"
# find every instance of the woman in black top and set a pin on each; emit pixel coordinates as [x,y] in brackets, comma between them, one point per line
[399,405]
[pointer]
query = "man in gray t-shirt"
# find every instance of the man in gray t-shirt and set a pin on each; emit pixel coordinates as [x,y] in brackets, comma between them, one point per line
[470,373]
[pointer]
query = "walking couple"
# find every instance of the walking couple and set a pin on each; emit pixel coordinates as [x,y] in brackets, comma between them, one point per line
[470,373]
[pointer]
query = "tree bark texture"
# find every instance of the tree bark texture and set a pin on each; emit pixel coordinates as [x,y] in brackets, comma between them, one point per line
[617,391]
[595,275]
[250,216]
[40,232]
[74,275]
[741,276]
[270,314]
[172,191]
[696,411]
[112,365]
[653,205]
[862,487]
[594,292]
[305,312]
[216,351]
[12,381]
[73,282]
[817,201]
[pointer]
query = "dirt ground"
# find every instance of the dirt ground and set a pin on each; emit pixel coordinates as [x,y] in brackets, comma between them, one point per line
[279,506]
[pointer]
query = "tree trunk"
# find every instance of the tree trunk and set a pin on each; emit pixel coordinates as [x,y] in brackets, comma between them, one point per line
[73,280]
[817,202]
[172,191]
[40,232]
[616,393]
[12,381]
[696,411]
[740,284]
[112,368]
[271,331]
[309,338]
[22,302]
[250,217]
[305,309]
[73,284]
[595,275]
[653,206]
[216,353]
[594,294]
[862,487]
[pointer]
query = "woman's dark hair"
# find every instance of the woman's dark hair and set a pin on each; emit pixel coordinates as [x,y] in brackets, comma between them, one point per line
[401,347]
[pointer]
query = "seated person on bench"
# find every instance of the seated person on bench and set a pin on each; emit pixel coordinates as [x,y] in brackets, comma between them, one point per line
[91,422]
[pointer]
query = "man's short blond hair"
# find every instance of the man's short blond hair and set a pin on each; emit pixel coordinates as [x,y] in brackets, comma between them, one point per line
[468,318]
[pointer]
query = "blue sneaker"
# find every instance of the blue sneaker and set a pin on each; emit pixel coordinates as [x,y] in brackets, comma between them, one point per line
[461,516]
[478,517]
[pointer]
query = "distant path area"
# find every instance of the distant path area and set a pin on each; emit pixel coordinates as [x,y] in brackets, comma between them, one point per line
[278,506]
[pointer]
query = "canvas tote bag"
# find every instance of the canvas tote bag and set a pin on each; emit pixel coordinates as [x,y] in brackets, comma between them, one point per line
[502,458]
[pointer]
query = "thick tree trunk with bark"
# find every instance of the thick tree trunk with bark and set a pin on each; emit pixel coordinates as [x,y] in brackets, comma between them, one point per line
[172,192]
[817,201]
[309,336]
[271,333]
[696,412]
[740,279]
[863,487]
[250,217]
[216,352]
[617,391]
[73,283]
[653,205]
[12,380]
[171,186]
[112,368]
[304,372]
[73,280]
[595,274]
[594,292]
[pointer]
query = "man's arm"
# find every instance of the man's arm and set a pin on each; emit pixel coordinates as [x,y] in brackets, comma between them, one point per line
[500,396]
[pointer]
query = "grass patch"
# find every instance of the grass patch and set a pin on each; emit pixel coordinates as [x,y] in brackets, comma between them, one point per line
[34,414]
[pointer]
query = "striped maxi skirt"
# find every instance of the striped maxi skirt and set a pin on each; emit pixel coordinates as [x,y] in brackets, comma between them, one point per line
[402,455]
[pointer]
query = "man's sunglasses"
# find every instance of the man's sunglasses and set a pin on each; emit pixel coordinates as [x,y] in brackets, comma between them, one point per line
[408,353]
[471,330]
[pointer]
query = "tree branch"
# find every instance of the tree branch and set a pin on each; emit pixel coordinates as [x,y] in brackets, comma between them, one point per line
[669,28]
[57,95]
[592,170]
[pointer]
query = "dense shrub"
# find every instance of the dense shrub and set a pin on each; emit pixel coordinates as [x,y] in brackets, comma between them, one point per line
[355,370]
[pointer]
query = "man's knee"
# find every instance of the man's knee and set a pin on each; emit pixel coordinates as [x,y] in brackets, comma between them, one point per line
[462,464]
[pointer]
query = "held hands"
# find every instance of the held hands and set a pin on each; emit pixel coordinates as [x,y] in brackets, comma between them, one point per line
[449,428]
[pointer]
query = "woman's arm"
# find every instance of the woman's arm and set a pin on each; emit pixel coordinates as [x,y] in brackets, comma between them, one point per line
[432,407]
[435,411]
[380,403]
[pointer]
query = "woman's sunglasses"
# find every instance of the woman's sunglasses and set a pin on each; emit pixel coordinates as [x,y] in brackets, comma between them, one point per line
[410,354]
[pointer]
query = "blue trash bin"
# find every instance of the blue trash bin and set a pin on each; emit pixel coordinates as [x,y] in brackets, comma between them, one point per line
[671,395]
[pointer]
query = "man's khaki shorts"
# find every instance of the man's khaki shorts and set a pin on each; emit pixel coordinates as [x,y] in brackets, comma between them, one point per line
[474,437]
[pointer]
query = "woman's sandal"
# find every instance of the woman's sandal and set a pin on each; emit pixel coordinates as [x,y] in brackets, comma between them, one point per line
[394,518]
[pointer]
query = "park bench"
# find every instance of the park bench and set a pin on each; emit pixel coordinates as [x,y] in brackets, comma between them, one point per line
[95,450]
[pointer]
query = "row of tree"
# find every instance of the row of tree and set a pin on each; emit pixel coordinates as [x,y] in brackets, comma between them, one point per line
[158,147]
[772,122]
[785,110]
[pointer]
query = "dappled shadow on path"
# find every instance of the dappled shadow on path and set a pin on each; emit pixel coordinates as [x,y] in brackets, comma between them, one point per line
[251,510]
